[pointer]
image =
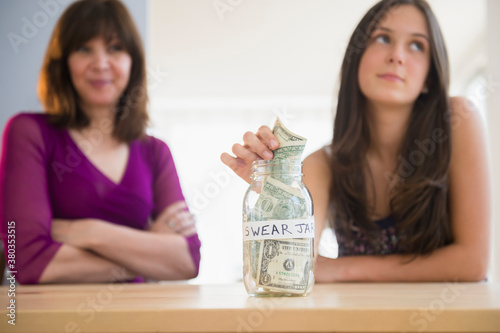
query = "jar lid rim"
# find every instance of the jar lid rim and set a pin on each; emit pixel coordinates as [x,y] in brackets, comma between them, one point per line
[296,161]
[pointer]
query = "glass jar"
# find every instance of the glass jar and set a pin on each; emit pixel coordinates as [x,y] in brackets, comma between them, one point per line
[278,231]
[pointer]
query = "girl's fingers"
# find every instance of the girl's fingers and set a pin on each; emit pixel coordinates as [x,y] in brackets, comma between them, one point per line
[245,154]
[239,166]
[229,160]
[256,145]
[265,134]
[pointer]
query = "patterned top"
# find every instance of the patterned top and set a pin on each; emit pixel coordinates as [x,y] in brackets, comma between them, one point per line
[358,244]
[44,176]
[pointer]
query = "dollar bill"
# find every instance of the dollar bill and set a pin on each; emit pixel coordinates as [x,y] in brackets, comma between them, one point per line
[278,201]
[254,250]
[291,145]
[284,265]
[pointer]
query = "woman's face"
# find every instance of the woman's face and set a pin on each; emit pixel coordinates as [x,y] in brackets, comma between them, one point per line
[394,66]
[100,72]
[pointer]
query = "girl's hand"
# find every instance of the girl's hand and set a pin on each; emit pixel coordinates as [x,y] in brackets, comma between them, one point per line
[76,233]
[256,146]
[327,270]
[175,219]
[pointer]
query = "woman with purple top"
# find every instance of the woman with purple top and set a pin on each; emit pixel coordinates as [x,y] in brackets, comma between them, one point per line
[91,196]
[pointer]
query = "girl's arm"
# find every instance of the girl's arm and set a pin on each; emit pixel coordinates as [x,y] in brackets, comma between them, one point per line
[317,177]
[467,258]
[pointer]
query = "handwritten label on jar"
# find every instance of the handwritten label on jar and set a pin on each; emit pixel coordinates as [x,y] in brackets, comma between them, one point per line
[278,229]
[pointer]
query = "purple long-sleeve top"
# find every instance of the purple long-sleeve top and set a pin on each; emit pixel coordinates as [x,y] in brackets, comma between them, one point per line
[44,176]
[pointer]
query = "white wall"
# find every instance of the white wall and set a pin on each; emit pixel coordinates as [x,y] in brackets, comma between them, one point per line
[289,48]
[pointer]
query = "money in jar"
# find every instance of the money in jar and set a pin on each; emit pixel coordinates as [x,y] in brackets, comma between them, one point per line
[278,223]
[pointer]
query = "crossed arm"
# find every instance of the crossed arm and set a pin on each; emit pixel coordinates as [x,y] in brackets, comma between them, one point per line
[99,251]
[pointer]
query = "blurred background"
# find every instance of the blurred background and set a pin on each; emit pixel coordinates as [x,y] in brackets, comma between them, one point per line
[218,68]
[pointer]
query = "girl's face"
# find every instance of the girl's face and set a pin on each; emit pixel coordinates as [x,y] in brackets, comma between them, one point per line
[395,64]
[100,72]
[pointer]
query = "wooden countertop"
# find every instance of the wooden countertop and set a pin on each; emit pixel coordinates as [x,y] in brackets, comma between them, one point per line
[180,307]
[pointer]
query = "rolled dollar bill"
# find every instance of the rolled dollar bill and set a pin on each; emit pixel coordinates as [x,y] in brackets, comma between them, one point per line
[291,145]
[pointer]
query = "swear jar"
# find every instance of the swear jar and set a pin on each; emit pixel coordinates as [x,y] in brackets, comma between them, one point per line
[278,231]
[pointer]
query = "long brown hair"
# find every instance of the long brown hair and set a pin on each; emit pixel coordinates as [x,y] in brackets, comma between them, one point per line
[419,196]
[82,21]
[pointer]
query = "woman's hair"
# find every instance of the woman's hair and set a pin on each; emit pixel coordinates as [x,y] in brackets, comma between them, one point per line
[419,187]
[82,21]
